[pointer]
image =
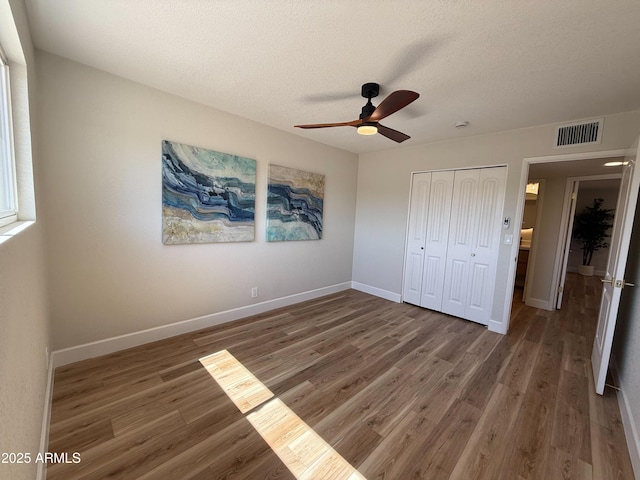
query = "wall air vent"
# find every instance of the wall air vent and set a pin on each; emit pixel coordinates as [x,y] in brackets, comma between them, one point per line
[588,132]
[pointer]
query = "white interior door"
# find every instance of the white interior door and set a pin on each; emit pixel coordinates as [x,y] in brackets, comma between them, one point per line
[614,278]
[464,221]
[436,240]
[414,258]
[486,243]
[474,241]
[567,242]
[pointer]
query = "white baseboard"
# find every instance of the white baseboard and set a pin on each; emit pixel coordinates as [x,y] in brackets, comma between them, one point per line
[41,472]
[538,303]
[378,292]
[630,430]
[109,345]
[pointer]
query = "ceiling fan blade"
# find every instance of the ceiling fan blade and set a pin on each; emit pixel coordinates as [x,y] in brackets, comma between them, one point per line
[352,123]
[394,102]
[392,134]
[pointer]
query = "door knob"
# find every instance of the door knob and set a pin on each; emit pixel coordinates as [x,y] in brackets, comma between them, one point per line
[473,254]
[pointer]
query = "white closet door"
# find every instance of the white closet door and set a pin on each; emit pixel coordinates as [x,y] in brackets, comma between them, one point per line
[474,240]
[414,258]
[436,241]
[486,242]
[461,239]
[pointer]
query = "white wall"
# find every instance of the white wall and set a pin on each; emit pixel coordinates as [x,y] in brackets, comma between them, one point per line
[24,322]
[530,213]
[110,274]
[587,192]
[540,275]
[383,194]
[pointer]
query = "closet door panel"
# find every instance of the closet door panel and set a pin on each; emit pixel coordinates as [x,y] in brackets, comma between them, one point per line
[478,300]
[486,243]
[461,239]
[436,241]
[464,208]
[491,193]
[412,285]
[457,292]
[416,233]
[431,283]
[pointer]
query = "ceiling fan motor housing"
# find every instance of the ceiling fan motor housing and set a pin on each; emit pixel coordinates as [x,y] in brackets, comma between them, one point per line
[370,90]
[367,110]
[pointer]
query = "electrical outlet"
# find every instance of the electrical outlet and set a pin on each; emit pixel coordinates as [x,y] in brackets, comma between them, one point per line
[254,292]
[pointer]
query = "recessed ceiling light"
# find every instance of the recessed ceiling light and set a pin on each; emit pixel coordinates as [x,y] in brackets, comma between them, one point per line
[615,164]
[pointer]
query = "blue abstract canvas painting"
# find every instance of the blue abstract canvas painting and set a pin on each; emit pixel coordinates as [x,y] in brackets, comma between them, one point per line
[294,204]
[207,196]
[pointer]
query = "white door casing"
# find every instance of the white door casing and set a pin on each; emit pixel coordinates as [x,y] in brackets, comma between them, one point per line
[614,280]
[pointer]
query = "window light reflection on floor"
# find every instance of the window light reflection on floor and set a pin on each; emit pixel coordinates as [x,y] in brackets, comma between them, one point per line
[299,447]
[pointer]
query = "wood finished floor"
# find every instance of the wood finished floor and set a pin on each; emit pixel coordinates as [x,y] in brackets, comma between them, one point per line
[398,391]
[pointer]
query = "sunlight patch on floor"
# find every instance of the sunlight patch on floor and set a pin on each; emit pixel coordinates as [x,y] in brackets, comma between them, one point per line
[299,447]
[242,387]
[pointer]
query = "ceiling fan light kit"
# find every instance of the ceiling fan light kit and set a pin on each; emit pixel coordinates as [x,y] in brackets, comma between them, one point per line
[368,122]
[367,129]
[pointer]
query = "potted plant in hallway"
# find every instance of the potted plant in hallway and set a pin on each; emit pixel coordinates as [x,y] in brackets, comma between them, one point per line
[591,229]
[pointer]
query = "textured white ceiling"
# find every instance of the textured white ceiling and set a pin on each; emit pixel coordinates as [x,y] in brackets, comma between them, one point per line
[498,64]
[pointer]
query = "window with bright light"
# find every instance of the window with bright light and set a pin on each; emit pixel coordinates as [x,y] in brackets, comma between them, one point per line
[8,203]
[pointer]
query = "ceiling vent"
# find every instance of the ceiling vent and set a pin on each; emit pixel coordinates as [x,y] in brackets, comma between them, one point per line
[588,132]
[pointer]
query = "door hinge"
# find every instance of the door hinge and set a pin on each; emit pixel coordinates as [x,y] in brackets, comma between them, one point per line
[574,195]
[560,289]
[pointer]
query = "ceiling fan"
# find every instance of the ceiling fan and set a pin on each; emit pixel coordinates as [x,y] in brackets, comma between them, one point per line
[368,123]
